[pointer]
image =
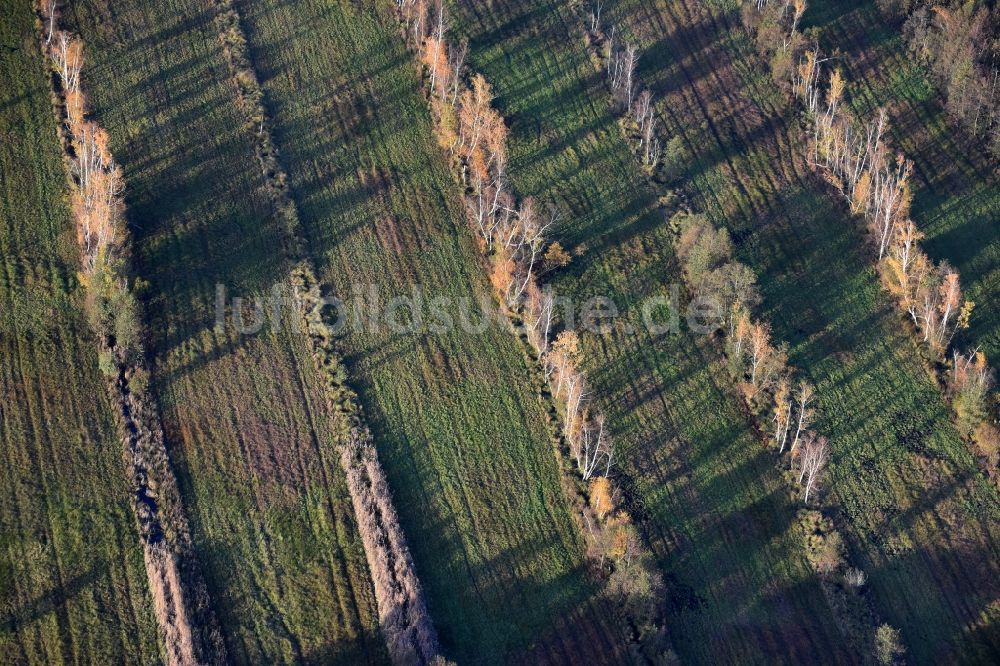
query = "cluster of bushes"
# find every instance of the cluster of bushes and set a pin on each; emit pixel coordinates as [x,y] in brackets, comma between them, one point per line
[775,25]
[845,588]
[969,383]
[613,536]
[511,235]
[180,596]
[957,41]
[855,157]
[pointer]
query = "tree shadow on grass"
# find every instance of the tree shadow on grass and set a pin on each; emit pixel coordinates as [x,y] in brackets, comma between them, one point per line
[51,601]
[910,589]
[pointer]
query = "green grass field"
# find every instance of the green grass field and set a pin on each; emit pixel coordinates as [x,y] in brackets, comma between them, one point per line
[712,505]
[920,516]
[251,444]
[72,580]
[456,417]
[461,419]
[956,193]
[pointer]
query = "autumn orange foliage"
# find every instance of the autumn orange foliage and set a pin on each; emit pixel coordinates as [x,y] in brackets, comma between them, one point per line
[96,197]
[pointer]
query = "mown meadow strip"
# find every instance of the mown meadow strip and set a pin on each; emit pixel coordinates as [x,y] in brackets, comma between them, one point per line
[855,156]
[955,191]
[780,402]
[512,237]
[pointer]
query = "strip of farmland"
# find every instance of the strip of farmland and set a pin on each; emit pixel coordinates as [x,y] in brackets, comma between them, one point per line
[914,507]
[402,609]
[72,579]
[738,588]
[243,414]
[463,439]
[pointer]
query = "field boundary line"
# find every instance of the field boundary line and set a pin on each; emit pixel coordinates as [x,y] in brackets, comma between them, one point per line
[181,604]
[637,124]
[404,619]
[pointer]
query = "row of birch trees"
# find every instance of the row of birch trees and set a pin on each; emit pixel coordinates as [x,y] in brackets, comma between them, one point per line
[513,236]
[180,599]
[783,405]
[96,197]
[757,363]
[96,200]
[512,233]
[855,156]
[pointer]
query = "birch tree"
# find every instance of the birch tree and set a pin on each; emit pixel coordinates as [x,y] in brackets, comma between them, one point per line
[69,59]
[806,412]
[782,414]
[970,380]
[621,72]
[815,452]
[593,449]
[765,360]
[50,10]
[438,56]
[595,16]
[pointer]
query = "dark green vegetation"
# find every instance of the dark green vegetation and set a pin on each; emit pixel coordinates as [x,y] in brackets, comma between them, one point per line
[920,517]
[72,580]
[271,520]
[459,419]
[464,442]
[459,430]
[956,187]
[709,500]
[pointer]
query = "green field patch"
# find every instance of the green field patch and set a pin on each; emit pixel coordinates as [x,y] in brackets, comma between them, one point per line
[706,494]
[72,580]
[911,501]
